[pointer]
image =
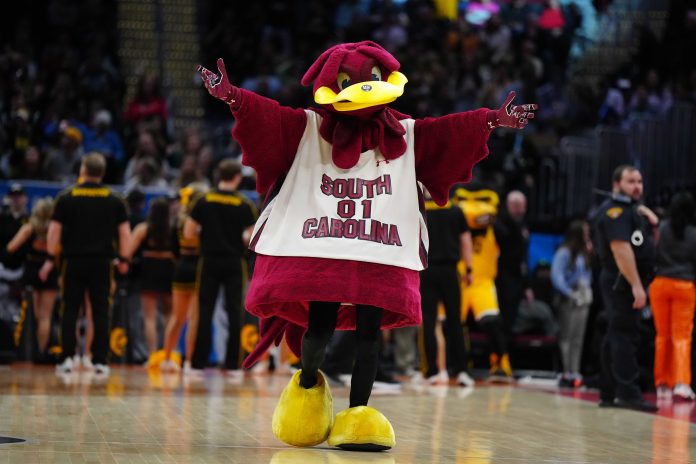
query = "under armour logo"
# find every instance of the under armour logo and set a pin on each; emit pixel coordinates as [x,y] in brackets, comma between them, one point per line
[382,161]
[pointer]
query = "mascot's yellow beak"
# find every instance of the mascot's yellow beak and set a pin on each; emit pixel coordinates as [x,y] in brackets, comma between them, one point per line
[363,94]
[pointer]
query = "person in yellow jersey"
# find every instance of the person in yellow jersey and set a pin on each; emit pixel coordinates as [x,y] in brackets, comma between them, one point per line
[480,207]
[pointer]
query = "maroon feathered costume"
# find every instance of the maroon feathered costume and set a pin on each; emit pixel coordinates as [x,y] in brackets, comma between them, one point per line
[446,149]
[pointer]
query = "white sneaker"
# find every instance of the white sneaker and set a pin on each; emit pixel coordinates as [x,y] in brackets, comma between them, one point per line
[664,392]
[260,368]
[77,360]
[87,363]
[441,378]
[187,367]
[684,392]
[195,374]
[465,380]
[234,376]
[102,369]
[169,366]
[65,367]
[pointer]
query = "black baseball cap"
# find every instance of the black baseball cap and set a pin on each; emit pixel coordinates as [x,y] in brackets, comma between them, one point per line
[16,189]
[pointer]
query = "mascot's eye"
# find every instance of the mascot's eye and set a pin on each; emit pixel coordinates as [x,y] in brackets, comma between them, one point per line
[343,80]
[376,74]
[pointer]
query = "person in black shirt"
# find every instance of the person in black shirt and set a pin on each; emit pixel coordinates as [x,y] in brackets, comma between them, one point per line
[224,219]
[449,241]
[624,235]
[512,281]
[86,220]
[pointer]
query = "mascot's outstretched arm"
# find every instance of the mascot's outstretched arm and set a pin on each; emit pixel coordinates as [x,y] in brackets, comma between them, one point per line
[448,147]
[267,132]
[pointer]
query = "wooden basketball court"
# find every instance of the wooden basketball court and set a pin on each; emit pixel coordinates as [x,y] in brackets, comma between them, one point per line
[137,417]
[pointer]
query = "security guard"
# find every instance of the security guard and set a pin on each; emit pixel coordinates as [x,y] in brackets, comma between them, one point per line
[224,219]
[450,242]
[624,233]
[87,218]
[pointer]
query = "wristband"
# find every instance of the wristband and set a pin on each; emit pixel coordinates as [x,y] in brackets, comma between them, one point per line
[469,270]
[121,259]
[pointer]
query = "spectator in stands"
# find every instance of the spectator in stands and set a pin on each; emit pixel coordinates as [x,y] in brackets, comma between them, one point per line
[62,162]
[191,144]
[136,206]
[154,238]
[497,37]
[100,137]
[148,174]
[391,33]
[535,318]
[44,292]
[613,109]
[18,133]
[12,217]
[572,278]
[206,163]
[673,297]
[659,97]
[146,147]
[31,167]
[189,172]
[99,81]
[148,105]
[512,235]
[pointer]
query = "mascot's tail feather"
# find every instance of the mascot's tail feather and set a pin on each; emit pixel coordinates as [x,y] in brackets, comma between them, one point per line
[272,330]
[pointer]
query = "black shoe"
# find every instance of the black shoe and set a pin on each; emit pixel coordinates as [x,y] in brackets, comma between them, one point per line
[637,404]
[607,403]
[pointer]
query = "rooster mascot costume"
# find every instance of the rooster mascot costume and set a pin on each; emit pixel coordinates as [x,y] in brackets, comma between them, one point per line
[341,239]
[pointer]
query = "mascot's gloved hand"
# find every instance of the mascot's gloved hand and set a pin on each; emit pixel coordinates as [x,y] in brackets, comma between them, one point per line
[509,115]
[219,86]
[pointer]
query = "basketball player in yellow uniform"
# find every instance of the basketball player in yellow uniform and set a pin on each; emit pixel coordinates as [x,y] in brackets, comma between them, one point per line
[480,207]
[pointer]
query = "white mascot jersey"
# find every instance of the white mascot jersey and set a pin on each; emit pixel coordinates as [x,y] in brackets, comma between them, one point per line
[366,213]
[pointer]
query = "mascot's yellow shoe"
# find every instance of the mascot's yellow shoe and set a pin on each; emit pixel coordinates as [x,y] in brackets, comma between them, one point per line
[362,428]
[303,416]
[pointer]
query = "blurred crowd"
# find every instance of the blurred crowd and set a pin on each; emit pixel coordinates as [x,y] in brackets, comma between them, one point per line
[64,93]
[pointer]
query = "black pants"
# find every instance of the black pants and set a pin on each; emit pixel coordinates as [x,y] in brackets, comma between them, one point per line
[510,293]
[620,369]
[216,271]
[441,282]
[92,274]
[320,328]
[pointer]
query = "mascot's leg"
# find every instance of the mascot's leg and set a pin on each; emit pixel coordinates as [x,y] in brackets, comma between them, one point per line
[304,414]
[361,428]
